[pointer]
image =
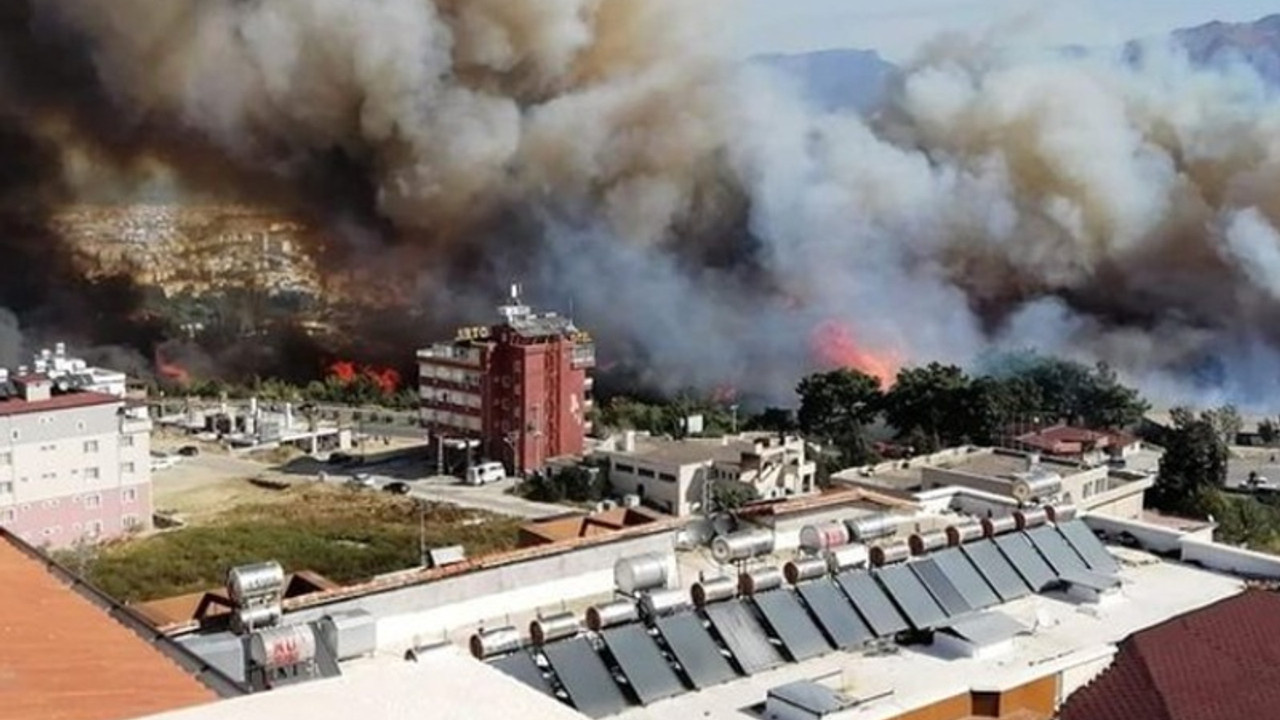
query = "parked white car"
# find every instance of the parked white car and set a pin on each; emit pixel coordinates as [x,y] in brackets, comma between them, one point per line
[362,481]
[485,473]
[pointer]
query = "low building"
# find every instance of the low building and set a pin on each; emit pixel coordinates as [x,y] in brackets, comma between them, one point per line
[580,525]
[1091,447]
[678,476]
[75,456]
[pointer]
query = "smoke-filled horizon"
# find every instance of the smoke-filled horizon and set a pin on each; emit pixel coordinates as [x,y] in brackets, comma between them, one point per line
[705,222]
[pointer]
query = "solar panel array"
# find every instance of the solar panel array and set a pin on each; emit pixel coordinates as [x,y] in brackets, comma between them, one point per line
[696,649]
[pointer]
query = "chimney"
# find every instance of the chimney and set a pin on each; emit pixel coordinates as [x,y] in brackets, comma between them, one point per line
[288,415]
[35,388]
[1033,461]
[253,407]
[629,441]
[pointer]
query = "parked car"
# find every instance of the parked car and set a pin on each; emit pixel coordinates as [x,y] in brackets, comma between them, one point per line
[362,481]
[188,451]
[485,473]
[398,488]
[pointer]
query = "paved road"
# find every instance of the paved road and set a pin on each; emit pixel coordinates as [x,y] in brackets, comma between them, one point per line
[492,498]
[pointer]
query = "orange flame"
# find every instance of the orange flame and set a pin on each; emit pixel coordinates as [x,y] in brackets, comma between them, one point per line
[834,347]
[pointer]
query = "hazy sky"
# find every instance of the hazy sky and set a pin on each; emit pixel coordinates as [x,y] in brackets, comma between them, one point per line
[897,27]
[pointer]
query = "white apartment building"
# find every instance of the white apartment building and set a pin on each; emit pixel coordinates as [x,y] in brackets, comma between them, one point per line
[673,475]
[74,460]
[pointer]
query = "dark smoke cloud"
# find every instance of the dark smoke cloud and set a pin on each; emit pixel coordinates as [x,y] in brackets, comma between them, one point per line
[702,218]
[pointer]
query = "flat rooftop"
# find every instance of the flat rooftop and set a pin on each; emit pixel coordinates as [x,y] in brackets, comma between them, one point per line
[1003,465]
[1064,633]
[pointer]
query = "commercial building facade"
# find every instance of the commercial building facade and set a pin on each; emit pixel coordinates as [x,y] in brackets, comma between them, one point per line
[74,462]
[520,387]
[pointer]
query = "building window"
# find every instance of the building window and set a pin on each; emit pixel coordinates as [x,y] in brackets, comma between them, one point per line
[80,425]
[6,487]
[646,473]
[128,522]
[126,468]
[624,468]
[92,501]
[126,441]
[52,503]
[6,458]
[91,446]
[13,434]
[48,476]
[8,515]
[48,448]
[129,495]
[666,477]
[91,473]
[95,528]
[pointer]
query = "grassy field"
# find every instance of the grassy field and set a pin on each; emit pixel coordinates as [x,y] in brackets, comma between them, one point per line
[346,535]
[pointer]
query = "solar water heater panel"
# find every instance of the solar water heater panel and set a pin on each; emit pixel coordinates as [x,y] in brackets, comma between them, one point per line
[940,587]
[1089,547]
[966,578]
[791,624]
[996,569]
[694,649]
[837,617]
[650,675]
[590,685]
[1055,550]
[911,597]
[741,632]
[522,667]
[1024,557]
[872,603]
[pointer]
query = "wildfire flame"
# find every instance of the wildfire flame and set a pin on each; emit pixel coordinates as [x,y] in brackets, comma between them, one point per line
[835,346]
[171,371]
[347,372]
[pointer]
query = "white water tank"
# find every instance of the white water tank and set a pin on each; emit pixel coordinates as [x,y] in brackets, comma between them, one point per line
[642,572]
[741,546]
[283,646]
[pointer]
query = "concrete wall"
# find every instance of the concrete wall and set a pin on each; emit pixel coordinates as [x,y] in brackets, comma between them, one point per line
[1083,672]
[940,477]
[1230,559]
[1156,538]
[428,611]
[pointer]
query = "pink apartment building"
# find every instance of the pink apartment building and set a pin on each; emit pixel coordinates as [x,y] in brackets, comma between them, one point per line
[75,460]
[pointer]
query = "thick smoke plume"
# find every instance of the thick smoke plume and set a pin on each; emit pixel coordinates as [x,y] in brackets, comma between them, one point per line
[708,223]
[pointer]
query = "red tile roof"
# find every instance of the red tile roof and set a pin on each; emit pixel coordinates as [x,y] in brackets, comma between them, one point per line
[1218,663]
[18,406]
[63,657]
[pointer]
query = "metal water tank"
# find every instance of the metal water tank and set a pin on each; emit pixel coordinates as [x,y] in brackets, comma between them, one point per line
[817,538]
[1059,514]
[642,572]
[351,633]
[705,592]
[992,527]
[1035,487]
[498,641]
[741,546]
[921,543]
[613,613]
[554,627]
[247,620]
[1027,519]
[663,602]
[882,555]
[850,556]
[872,527]
[963,533]
[797,571]
[249,582]
[282,646]
[759,580]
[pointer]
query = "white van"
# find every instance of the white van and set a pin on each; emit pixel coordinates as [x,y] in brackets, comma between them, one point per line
[485,473]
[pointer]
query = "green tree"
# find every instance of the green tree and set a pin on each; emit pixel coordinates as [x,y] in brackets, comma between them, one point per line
[1193,467]
[774,419]
[729,496]
[929,406]
[1267,431]
[1226,421]
[836,406]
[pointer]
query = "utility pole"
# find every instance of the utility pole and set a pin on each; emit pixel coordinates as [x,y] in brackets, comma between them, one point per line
[422,533]
[734,409]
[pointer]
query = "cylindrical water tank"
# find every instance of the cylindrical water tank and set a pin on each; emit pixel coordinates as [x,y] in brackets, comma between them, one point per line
[741,546]
[705,592]
[497,641]
[850,556]
[872,527]
[662,602]
[255,618]
[882,555]
[759,580]
[607,615]
[1029,518]
[554,627]
[282,646]
[797,571]
[963,533]
[817,538]
[1036,487]
[921,543]
[642,572]
[994,526]
[1060,513]
[253,581]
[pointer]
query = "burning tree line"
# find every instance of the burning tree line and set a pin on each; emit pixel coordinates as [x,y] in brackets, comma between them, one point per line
[345,383]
